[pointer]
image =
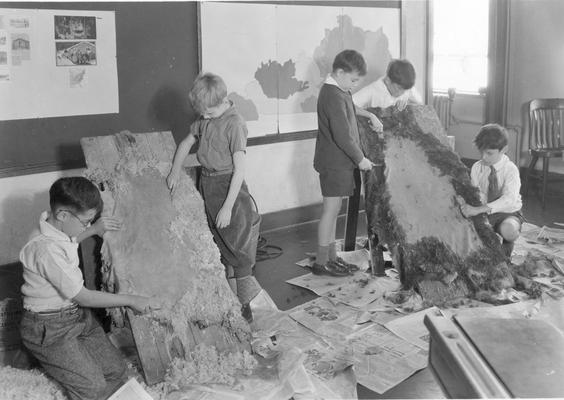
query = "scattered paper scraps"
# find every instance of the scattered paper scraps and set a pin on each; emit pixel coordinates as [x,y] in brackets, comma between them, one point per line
[382,359]
[364,290]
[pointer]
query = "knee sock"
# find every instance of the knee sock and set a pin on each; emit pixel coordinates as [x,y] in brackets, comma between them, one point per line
[322,255]
[332,251]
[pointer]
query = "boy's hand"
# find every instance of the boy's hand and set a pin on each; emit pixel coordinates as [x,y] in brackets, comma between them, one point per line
[401,103]
[143,304]
[223,218]
[466,209]
[365,164]
[376,124]
[104,224]
[172,181]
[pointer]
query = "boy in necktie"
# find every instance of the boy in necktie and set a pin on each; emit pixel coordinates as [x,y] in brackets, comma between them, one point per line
[498,179]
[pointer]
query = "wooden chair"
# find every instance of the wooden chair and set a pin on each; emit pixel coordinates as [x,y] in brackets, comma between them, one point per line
[546,138]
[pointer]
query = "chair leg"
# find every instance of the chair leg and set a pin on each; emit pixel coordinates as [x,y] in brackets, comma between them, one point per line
[530,170]
[545,161]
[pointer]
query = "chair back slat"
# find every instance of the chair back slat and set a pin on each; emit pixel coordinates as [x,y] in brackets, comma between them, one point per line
[546,124]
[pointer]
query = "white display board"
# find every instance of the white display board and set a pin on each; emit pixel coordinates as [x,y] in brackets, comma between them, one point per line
[57,63]
[274,58]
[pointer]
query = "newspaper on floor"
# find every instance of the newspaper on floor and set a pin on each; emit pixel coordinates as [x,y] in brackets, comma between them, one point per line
[327,319]
[364,290]
[551,234]
[276,333]
[323,284]
[382,360]
[326,362]
[380,311]
[412,329]
[359,257]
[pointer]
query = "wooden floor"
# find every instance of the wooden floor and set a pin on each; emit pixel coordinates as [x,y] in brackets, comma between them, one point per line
[297,240]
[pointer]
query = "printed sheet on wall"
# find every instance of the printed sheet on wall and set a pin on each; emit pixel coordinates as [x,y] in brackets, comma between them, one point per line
[275,62]
[57,63]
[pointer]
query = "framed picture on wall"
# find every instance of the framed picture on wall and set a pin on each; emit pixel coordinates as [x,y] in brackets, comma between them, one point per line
[276,61]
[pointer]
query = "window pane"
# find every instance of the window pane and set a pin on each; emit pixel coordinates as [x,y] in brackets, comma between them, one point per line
[460,44]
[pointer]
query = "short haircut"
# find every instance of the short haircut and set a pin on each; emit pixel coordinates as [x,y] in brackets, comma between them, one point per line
[402,73]
[491,136]
[209,90]
[350,61]
[76,193]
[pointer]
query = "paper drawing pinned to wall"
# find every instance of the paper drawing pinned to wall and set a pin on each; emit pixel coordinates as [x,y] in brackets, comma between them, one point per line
[75,53]
[77,78]
[19,23]
[75,27]
[21,48]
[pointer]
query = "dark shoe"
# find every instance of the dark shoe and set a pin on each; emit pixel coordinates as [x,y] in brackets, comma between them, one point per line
[329,268]
[247,313]
[349,266]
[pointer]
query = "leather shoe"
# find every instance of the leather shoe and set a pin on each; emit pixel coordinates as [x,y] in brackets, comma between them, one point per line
[329,268]
[349,266]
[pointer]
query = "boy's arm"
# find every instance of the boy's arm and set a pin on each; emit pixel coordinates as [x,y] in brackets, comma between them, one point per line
[102,225]
[179,157]
[414,96]
[54,265]
[340,129]
[375,123]
[223,218]
[97,299]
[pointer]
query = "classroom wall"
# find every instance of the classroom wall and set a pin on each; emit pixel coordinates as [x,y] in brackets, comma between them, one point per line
[536,60]
[536,57]
[280,175]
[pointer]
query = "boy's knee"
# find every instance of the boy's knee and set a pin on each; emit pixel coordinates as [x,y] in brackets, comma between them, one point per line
[509,229]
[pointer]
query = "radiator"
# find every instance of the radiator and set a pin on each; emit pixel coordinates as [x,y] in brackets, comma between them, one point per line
[442,102]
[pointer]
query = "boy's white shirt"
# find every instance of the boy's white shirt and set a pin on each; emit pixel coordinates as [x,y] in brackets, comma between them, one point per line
[509,182]
[51,273]
[377,95]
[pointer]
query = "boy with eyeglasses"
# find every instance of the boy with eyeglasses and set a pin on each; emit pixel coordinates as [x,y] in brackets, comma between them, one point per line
[57,326]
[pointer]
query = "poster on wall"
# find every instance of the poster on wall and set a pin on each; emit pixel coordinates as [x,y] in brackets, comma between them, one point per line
[275,63]
[56,63]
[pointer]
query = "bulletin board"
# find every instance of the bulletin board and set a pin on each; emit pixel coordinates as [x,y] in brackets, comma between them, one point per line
[276,61]
[57,63]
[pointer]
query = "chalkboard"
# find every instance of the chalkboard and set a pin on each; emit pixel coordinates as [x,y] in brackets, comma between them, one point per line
[157,61]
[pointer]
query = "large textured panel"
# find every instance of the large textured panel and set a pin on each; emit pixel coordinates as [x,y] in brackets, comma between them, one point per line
[412,207]
[165,248]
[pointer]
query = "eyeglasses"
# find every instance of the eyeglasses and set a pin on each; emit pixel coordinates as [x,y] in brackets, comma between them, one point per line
[85,224]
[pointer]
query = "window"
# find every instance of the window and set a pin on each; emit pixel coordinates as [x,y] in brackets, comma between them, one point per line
[460,45]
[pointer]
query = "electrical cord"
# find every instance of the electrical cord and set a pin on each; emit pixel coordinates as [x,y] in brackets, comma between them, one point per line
[265,251]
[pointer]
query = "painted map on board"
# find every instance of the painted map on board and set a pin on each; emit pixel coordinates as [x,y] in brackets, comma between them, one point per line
[276,61]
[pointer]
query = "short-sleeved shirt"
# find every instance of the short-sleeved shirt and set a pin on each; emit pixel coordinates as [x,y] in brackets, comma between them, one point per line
[377,95]
[219,139]
[51,273]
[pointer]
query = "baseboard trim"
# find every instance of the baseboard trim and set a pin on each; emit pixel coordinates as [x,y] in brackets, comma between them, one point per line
[292,217]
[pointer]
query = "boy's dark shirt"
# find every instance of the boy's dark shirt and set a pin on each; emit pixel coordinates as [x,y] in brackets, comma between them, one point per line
[338,142]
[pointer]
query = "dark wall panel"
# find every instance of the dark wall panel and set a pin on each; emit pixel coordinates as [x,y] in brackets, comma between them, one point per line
[157,60]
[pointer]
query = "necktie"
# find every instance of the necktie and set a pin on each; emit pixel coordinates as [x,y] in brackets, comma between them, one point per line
[494,191]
